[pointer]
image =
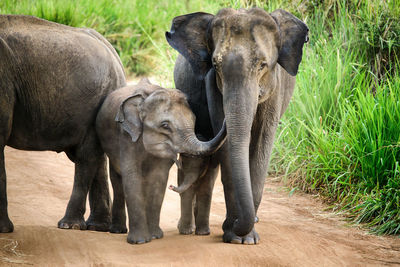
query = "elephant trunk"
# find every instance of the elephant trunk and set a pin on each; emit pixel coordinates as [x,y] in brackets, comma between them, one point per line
[191,176]
[194,147]
[240,99]
[238,142]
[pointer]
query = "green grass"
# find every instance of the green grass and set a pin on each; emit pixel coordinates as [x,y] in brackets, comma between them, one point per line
[340,136]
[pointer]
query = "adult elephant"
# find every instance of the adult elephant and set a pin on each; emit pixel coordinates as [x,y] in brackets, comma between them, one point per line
[53,79]
[241,65]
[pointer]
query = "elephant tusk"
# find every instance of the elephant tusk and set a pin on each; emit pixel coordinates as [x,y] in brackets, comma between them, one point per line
[178,161]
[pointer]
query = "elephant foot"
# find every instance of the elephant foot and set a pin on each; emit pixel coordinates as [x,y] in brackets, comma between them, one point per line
[76,224]
[185,228]
[202,230]
[139,237]
[118,228]
[156,233]
[98,224]
[6,226]
[250,239]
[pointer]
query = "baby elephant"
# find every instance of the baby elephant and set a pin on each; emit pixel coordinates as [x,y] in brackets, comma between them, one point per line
[142,130]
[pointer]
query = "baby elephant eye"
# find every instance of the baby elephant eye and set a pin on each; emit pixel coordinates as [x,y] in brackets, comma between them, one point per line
[165,125]
[263,65]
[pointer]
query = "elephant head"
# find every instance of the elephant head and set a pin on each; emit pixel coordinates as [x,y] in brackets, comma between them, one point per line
[165,121]
[242,49]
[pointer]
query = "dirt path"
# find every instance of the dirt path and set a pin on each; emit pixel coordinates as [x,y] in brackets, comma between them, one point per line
[294,230]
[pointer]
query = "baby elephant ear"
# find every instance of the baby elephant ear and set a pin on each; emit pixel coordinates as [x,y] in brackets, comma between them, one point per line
[188,35]
[128,116]
[293,33]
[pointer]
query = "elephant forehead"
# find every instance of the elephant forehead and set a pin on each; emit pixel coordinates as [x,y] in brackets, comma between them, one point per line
[167,107]
[248,29]
[243,19]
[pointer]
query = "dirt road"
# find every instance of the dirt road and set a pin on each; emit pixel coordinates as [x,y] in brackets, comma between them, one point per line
[295,230]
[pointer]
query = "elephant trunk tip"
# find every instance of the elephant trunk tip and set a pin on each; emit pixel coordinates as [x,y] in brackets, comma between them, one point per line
[177,189]
[243,226]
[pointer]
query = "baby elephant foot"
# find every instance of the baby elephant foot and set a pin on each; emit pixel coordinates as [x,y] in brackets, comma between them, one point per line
[68,223]
[138,237]
[118,228]
[6,226]
[101,224]
[185,228]
[250,239]
[157,233]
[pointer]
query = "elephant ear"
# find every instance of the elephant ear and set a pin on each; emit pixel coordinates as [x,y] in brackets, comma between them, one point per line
[293,34]
[188,35]
[128,115]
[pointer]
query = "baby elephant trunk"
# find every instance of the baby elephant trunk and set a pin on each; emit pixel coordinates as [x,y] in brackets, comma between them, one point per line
[195,147]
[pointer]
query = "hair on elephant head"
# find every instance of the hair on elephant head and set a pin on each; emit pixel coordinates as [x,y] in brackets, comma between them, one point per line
[162,117]
[250,56]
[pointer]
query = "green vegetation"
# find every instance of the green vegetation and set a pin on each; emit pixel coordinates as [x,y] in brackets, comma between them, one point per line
[340,137]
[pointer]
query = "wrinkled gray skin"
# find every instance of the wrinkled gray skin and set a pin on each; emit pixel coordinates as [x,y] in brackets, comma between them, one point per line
[239,65]
[142,129]
[53,79]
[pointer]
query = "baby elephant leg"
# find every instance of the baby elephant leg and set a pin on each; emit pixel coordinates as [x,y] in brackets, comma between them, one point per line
[192,169]
[156,183]
[133,187]
[204,189]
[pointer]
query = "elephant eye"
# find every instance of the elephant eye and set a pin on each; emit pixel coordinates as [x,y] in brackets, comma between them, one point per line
[165,125]
[263,65]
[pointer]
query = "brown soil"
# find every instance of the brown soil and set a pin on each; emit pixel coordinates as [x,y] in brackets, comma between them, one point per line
[295,231]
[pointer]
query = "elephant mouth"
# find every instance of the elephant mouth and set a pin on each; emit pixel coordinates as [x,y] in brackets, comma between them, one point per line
[163,150]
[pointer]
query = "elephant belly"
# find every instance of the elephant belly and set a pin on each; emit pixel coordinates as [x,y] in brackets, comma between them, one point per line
[46,131]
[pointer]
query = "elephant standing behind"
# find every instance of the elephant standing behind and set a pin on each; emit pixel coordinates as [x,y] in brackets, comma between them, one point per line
[53,79]
[238,65]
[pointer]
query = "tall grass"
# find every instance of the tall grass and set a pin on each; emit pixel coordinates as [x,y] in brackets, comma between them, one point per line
[339,136]
[135,28]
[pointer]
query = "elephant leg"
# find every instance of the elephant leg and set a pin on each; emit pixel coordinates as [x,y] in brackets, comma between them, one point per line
[203,200]
[99,200]
[88,158]
[6,115]
[226,178]
[156,184]
[190,167]
[186,221]
[6,225]
[134,192]
[263,135]
[231,213]
[118,224]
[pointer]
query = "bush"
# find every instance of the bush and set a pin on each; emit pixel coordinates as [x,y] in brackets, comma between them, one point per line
[379,35]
